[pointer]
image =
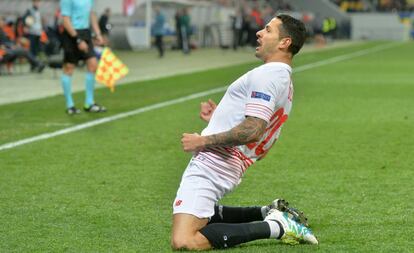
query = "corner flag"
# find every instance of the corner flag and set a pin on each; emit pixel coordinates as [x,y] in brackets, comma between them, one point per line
[110,69]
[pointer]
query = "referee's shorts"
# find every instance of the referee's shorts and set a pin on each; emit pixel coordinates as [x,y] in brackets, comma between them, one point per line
[72,54]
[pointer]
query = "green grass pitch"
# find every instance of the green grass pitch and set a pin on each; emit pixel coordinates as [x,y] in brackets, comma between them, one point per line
[345,156]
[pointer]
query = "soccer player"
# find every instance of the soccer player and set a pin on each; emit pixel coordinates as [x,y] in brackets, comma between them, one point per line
[241,130]
[78,17]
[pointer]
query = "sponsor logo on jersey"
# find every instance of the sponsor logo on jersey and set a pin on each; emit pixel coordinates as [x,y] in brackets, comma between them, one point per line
[260,95]
[178,202]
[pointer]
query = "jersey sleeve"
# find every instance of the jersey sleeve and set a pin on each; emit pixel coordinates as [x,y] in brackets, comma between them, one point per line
[263,92]
[66,8]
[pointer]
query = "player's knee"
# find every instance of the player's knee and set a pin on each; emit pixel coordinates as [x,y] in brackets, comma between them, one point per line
[92,65]
[178,242]
[187,243]
[68,69]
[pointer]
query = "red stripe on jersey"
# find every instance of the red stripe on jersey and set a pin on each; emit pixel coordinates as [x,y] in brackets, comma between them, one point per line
[234,162]
[229,162]
[256,109]
[238,153]
[228,156]
[258,114]
[225,170]
[238,158]
[221,151]
[259,105]
[246,161]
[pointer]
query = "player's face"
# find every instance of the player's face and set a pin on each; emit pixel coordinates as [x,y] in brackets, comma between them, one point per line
[269,41]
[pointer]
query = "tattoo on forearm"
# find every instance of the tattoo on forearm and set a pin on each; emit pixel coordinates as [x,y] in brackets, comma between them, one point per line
[250,130]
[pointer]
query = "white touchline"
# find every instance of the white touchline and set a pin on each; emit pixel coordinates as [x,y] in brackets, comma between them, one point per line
[183,99]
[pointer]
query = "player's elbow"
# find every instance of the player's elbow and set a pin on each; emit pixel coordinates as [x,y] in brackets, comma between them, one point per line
[255,138]
[258,133]
[254,129]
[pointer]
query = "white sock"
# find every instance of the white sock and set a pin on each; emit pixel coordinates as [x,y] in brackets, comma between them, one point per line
[274,229]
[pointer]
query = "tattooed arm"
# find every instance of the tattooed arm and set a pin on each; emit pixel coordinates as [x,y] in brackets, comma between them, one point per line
[250,130]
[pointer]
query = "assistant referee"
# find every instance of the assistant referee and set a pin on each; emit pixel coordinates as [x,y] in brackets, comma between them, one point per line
[78,19]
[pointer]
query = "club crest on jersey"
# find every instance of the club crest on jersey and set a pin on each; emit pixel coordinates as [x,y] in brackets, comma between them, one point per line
[261,95]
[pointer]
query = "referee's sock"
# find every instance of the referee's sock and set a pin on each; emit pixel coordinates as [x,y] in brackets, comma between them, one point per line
[66,81]
[89,88]
[227,214]
[224,235]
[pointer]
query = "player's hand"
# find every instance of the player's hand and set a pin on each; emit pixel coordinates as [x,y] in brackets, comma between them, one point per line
[207,109]
[99,40]
[83,46]
[192,142]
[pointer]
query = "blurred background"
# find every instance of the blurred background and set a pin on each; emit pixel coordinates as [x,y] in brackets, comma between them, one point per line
[218,23]
[136,29]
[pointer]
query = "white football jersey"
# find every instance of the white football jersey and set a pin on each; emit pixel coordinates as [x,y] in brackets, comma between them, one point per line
[265,92]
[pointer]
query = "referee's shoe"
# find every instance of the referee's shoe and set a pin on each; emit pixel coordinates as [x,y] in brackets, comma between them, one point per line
[72,110]
[94,108]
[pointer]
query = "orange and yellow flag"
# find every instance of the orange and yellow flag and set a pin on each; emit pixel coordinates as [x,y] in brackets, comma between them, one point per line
[110,69]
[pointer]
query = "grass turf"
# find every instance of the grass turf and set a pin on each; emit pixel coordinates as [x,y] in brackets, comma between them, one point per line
[345,156]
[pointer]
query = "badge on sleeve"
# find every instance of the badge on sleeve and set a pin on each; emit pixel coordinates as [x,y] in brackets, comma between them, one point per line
[260,95]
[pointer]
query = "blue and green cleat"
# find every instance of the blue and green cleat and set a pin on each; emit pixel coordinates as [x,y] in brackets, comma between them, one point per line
[294,232]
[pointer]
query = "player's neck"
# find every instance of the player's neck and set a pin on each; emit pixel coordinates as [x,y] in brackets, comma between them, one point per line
[280,58]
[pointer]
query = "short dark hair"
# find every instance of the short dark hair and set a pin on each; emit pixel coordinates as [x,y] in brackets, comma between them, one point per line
[293,28]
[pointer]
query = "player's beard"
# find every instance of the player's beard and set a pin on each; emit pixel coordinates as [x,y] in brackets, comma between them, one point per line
[259,52]
[263,52]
